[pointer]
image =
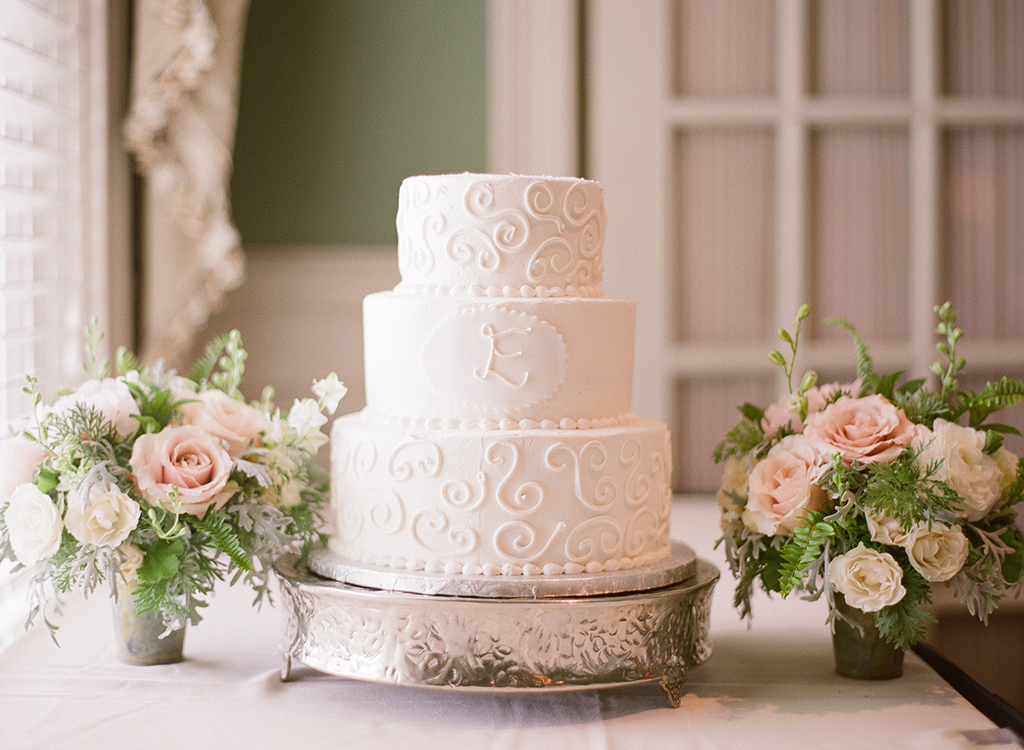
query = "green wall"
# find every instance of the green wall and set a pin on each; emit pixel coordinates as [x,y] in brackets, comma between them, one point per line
[341,100]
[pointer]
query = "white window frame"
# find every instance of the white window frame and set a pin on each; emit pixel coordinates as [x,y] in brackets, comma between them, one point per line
[633,116]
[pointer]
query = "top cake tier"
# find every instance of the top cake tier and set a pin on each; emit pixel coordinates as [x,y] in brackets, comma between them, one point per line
[500,236]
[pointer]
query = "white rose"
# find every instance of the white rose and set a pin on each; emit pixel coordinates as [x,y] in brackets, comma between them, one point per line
[105,519]
[868,579]
[33,524]
[131,559]
[965,467]
[937,553]
[885,530]
[110,397]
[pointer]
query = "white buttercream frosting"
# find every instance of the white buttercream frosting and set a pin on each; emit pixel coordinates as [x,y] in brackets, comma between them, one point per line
[498,437]
[510,502]
[500,235]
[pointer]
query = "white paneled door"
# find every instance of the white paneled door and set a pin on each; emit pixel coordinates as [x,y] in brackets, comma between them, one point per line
[863,156]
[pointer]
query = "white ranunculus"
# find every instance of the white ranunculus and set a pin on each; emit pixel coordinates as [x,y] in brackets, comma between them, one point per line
[33,524]
[885,530]
[111,397]
[937,553]
[104,519]
[868,579]
[965,466]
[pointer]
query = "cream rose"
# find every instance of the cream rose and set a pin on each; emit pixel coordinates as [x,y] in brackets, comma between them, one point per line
[104,519]
[233,421]
[19,459]
[965,467]
[110,397]
[130,560]
[186,458]
[1007,463]
[781,487]
[735,481]
[868,579]
[937,553]
[863,430]
[885,530]
[33,524]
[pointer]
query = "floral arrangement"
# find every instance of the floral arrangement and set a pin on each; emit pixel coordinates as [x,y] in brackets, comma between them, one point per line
[875,490]
[164,482]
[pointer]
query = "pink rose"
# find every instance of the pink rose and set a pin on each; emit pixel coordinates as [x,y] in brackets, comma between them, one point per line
[780,414]
[229,419]
[111,397]
[186,458]
[19,459]
[862,430]
[781,487]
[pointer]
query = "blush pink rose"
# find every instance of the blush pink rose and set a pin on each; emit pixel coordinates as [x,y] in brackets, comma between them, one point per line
[231,420]
[862,430]
[781,414]
[19,459]
[781,487]
[183,457]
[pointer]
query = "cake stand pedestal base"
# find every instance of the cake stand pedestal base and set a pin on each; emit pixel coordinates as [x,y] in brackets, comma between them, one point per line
[487,643]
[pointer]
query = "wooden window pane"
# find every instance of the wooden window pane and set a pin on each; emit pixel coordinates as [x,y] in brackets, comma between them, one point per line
[984,53]
[724,228]
[860,231]
[984,231]
[705,410]
[724,47]
[860,47]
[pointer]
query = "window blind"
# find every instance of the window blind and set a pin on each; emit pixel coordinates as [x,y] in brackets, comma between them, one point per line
[44,137]
[48,160]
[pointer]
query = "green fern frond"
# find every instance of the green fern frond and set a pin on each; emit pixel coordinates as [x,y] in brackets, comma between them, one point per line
[203,367]
[215,525]
[799,554]
[865,367]
[995,396]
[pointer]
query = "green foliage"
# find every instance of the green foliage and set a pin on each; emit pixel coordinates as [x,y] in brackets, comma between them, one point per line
[865,367]
[216,526]
[906,622]
[904,491]
[745,437]
[227,353]
[806,546]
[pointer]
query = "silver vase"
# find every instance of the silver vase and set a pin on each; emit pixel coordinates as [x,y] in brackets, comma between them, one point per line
[143,639]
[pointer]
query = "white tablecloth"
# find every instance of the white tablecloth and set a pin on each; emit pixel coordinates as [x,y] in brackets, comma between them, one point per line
[769,687]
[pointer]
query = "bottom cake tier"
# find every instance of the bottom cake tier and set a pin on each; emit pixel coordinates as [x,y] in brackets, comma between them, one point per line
[501,502]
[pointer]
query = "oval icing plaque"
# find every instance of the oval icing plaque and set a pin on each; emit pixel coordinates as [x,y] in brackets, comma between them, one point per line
[495,359]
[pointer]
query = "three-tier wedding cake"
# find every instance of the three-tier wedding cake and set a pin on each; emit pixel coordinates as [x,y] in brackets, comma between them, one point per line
[498,437]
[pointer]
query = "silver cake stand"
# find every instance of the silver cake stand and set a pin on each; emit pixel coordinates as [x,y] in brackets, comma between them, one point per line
[496,633]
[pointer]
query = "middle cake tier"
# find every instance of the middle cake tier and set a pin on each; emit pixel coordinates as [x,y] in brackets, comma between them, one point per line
[514,363]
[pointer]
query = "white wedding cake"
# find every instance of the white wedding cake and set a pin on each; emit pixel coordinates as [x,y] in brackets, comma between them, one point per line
[498,439]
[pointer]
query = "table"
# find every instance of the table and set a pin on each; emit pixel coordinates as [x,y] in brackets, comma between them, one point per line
[771,686]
